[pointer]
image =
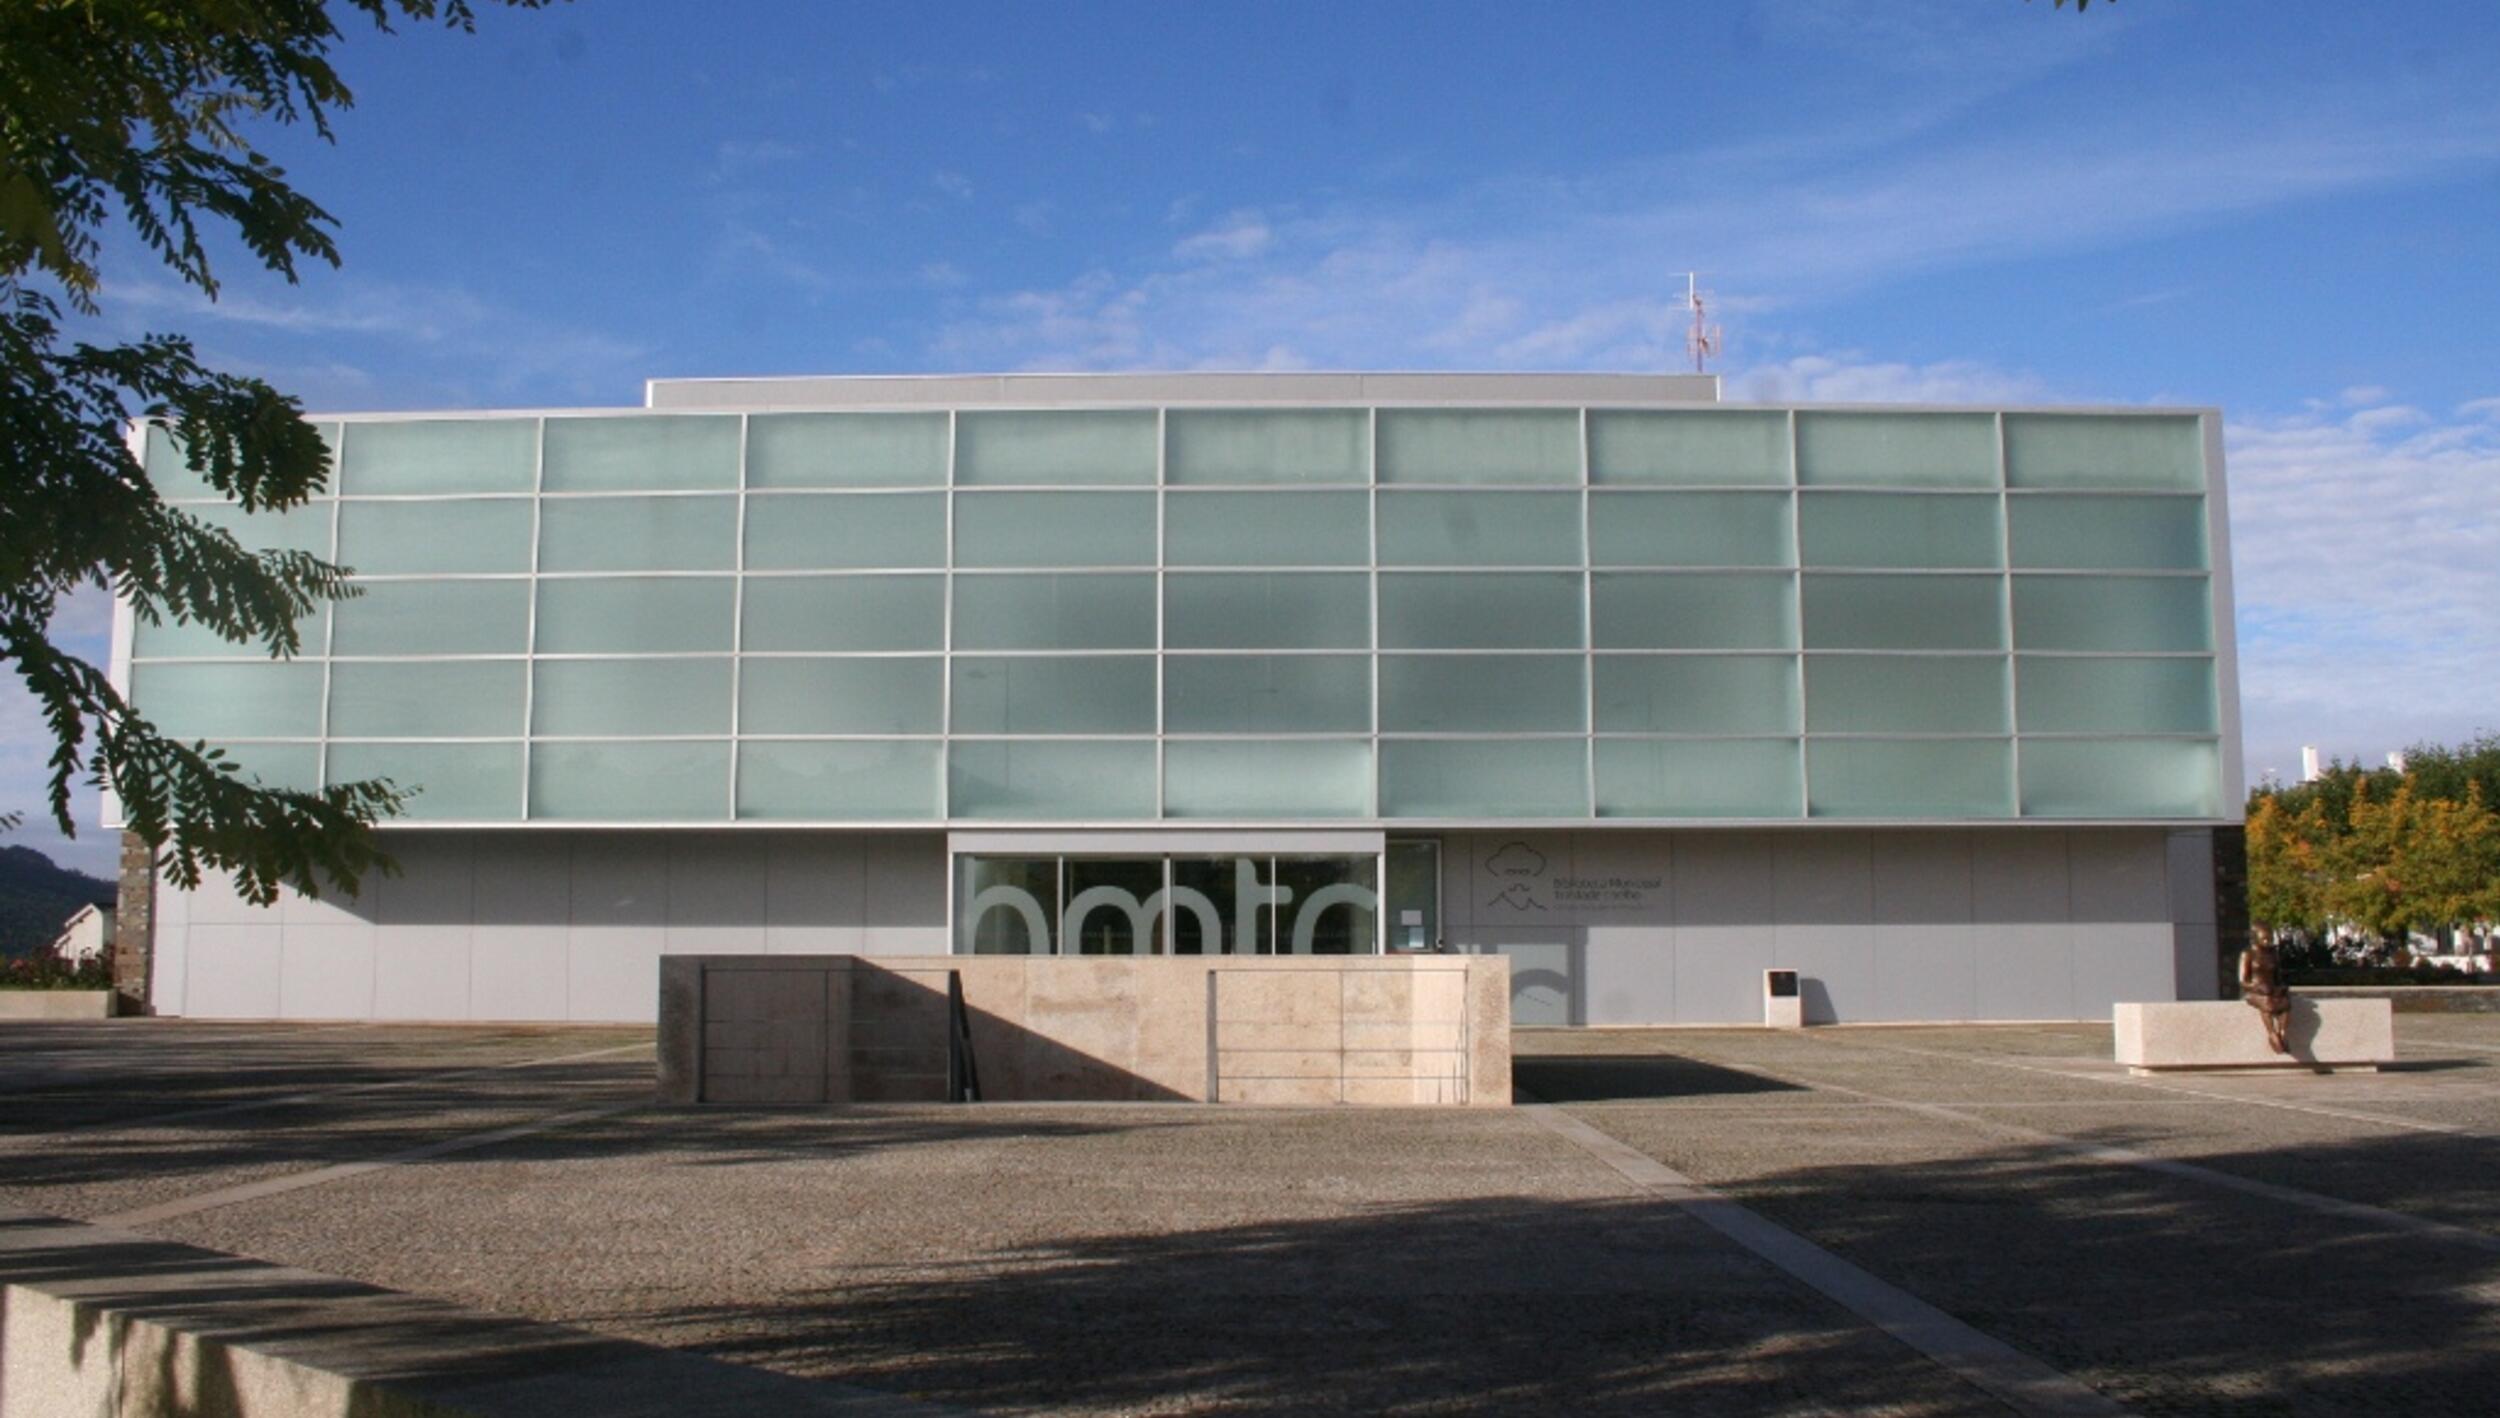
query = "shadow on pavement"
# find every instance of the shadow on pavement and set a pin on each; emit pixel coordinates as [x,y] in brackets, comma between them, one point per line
[1612,1078]
[2168,1295]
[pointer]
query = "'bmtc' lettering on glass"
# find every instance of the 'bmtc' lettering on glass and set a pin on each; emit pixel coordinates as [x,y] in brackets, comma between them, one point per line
[1199,896]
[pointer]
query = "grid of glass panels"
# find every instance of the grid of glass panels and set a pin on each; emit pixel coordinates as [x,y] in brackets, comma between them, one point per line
[1207,615]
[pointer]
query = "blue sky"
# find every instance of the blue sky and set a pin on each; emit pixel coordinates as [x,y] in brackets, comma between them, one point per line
[2286,208]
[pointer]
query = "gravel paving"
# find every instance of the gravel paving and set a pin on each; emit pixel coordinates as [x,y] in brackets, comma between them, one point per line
[1170,1259]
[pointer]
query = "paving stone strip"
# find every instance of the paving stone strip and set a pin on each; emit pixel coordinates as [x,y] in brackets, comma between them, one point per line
[311,1095]
[2360,1211]
[2349,1115]
[323,1176]
[2021,1381]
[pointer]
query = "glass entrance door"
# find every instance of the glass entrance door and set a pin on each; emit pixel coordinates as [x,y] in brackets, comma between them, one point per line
[1254,904]
[1413,909]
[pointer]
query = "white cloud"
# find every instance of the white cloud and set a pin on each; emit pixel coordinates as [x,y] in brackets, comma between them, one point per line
[1238,237]
[953,184]
[2367,553]
[1854,379]
[314,340]
[1581,269]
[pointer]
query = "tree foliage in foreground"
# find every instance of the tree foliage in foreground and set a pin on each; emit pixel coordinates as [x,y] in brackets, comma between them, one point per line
[2381,850]
[140,113]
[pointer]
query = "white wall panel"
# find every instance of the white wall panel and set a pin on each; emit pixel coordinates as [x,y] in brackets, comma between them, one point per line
[326,972]
[1641,927]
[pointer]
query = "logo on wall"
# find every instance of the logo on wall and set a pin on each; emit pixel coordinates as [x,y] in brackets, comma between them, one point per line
[1519,870]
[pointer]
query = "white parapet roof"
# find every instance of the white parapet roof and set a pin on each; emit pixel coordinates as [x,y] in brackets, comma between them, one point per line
[851,391]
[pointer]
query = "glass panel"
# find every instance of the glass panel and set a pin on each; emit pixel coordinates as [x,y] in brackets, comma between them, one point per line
[1905,694]
[1006,905]
[1479,445]
[1697,694]
[1692,778]
[2116,696]
[1049,782]
[1301,611]
[1467,611]
[638,534]
[434,618]
[1484,778]
[1087,694]
[2122,778]
[1489,694]
[160,641]
[846,450]
[1250,778]
[1058,447]
[625,615]
[2104,450]
[883,696]
[241,699]
[838,782]
[161,456]
[1695,612]
[630,782]
[440,455]
[642,453]
[1899,529]
[1054,529]
[1690,529]
[290,767]
[1267,529]
[1220,906]
[1910,777]
[628,697]
[1905,613]
[1332,902]
[2112,613]
[801,533]
[458,782]
[1701,447]
[863,613]
[1897,450]
[439,699]
[305,528]
[2114,533]
[398,538]
[1054,612]
[1480,529]
[1414,870]
[1267,694]
[1267,446]
[1114,907]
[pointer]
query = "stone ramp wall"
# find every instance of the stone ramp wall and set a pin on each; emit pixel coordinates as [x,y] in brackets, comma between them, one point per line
[1364,1029]
[97,1323]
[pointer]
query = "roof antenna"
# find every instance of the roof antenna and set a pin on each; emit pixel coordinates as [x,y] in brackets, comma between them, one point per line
[1703,339]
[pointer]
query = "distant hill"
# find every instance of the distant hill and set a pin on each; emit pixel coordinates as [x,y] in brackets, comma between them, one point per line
[37,898]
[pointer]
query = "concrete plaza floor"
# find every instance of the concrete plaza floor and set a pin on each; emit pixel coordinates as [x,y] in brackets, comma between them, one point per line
[2177,1245]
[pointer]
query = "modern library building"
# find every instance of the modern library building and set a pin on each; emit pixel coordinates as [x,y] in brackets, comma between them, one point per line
[1646,692]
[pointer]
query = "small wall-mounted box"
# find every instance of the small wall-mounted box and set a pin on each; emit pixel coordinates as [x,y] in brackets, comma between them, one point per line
[1783,1006]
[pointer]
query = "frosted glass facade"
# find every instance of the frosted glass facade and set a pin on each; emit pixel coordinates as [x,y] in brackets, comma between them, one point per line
[1474,614]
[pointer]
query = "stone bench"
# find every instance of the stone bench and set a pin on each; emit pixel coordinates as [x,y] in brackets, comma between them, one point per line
[2324,1036]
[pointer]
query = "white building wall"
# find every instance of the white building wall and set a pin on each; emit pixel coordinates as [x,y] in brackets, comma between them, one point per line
[545,925]
[1664,927]
[1601,927]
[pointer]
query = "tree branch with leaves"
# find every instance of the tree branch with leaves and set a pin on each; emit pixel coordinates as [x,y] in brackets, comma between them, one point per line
[142,113]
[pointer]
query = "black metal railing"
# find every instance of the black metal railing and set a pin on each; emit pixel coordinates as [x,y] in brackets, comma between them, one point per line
[963,1072]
